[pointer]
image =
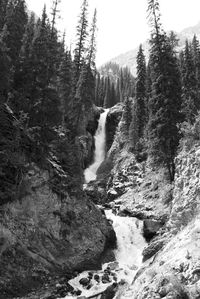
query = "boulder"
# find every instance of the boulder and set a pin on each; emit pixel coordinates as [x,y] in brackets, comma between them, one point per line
[84,281]
[152,249]
[151,228]
[95,192]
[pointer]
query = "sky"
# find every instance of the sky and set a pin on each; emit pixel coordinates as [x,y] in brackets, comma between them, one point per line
[122,24]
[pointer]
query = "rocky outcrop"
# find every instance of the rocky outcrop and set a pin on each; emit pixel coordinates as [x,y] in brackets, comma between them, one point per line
[186,194]
[112,121]
[85,140]
[172,259]
[96,192]
[43,234]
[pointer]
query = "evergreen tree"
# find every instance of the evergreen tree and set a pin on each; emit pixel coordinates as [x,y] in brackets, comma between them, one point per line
[54,13]
[196,61]
[148,84]
[101,92]
[113,99]
[44,97]
[106,103]
[118,91]
[165,102]
[4,73]
[3,7]
[14,28]
[64,83]
[56,48]
[140,94]
[127,115]
[190,100]
[82,101]
[23,77]
[92,45]
[82,34]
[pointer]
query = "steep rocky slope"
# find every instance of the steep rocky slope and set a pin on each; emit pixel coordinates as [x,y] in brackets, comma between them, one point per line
[171,217]
[174,270]
[50,227]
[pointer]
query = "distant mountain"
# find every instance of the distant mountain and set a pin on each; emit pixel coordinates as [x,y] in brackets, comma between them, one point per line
[129,58]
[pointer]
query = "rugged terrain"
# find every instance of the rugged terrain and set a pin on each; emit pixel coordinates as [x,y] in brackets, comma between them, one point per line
[171,216]
[50,228]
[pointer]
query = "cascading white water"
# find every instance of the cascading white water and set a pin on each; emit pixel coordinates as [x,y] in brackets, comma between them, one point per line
[130,244]
[99,154]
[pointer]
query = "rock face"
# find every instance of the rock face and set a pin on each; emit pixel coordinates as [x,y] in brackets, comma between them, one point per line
[112,121]
[186,195]
[85,139]
[43,234]
[172,259]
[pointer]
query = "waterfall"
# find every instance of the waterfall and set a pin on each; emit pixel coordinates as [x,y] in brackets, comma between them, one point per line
[128,256]
[100,143]
[130,241]
[130,244]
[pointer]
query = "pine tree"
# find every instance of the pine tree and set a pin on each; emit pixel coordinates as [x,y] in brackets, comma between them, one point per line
[82,34]
[92,45]
[3,6]
[165,102]
[40,53]
[127,115]
[64,83]
[118,91]
[14,28]
[106,103]
[23,76]
[196,61]
[45,100]
[113,99]
[148,84]
[101,92]
[140,94]
[54,13]
[55,48]
[190,100]
[4,73]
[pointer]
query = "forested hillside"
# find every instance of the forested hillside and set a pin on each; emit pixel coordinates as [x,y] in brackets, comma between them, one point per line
[45,89]
[113,85]
[47,123]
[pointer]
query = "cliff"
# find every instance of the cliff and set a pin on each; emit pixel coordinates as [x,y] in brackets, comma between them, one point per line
[174,272]
[48,227]
[171,217]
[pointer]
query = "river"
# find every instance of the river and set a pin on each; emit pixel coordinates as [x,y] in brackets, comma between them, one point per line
[130,240]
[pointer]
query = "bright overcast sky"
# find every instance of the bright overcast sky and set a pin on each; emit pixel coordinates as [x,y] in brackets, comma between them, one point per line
[122,24]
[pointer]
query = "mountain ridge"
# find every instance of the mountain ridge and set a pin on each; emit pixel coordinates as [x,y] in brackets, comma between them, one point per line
[129,58]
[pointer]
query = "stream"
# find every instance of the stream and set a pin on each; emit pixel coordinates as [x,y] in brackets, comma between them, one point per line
[128,259]
[130,240]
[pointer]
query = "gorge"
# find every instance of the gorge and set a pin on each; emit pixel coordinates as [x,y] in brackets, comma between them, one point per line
[99,171]
[130,242]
